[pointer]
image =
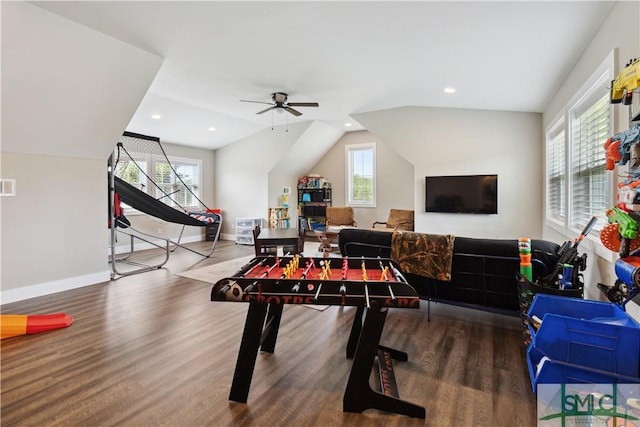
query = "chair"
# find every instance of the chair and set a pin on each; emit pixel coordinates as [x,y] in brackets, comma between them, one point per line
[399,219]
[337,216]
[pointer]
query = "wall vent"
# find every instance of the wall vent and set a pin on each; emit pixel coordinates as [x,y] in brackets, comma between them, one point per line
[7,187]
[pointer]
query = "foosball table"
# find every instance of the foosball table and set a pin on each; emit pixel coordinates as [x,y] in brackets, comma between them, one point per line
[373,285]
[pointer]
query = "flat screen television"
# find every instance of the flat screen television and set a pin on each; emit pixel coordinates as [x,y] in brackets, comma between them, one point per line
[472,194]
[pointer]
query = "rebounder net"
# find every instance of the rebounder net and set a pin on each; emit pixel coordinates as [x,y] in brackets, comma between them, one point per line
[147,180]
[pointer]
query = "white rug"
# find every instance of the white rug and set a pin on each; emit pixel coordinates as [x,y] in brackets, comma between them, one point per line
[213,273]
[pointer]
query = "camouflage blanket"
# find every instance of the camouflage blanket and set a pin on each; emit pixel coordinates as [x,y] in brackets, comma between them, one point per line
[428,255]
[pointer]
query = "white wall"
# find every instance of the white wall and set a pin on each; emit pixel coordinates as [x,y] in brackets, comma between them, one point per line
[394,178]
[620,31]
[67,95]
[442,141]
[242,169]
[250,173]
[52,227]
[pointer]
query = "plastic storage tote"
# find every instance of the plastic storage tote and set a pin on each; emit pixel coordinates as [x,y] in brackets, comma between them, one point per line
[570,350]
[601,312]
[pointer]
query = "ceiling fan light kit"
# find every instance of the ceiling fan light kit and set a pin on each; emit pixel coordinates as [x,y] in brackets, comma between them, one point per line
[279,104]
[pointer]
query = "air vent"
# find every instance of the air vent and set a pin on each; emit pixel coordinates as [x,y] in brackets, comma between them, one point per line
[7,187]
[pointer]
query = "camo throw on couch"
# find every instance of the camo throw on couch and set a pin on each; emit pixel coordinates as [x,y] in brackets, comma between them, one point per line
[428,255]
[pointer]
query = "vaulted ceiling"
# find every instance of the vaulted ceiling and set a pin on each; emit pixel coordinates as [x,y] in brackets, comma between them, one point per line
[350,57]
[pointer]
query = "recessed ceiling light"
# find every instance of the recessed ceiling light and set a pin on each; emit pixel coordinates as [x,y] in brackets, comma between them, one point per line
[156,116]
[347,125]
[449,90]
[212,129]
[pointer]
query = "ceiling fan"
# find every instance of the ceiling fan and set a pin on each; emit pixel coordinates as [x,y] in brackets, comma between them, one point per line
[280,102]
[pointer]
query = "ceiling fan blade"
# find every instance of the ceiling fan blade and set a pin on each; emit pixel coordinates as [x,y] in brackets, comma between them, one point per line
[265,110]
[292,111]
[257,102]
[303,104]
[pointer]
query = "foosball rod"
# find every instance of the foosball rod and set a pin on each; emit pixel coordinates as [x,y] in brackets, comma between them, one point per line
[397,273]
[266,273]
[250,287]
[296,287]
[315,298]
[366,296]
[386,279]
[260,264]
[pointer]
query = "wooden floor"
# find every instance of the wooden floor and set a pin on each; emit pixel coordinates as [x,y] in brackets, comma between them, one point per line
[152,349]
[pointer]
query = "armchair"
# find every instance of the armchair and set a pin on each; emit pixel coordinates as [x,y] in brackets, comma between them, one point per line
[399,219]
[337,216]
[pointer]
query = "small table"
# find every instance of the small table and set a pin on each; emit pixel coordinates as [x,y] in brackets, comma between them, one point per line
[328,234]
[278,237]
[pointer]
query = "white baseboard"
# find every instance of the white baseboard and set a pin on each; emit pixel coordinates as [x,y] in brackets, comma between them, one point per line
[41,289]
[224,236]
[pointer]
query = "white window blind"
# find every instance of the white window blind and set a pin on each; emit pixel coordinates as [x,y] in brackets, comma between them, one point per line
[556,173]
[590,125]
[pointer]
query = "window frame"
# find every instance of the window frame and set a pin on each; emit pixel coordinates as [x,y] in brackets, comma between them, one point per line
[585,95]
[150,165]
[350,149]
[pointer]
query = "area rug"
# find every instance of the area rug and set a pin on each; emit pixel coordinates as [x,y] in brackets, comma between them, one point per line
[213,273]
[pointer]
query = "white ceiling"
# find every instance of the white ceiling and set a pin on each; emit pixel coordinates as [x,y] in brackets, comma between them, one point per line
[350,57]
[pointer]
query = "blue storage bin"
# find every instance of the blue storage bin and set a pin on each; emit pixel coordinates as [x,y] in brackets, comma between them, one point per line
[601,312]
[555,372]
[583,351]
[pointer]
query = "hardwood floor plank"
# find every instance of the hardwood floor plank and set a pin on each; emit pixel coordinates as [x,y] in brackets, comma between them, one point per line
[152,349]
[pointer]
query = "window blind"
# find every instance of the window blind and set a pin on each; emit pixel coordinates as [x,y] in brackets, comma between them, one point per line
[590,126]
[556,173]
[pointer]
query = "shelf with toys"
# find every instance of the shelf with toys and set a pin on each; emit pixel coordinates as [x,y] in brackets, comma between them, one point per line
[279,217]
[314,195]
[623,149]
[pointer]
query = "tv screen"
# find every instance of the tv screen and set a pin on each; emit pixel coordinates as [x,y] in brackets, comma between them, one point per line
[476,194]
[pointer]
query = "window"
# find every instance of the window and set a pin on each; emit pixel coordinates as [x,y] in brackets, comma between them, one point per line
[556,172]
[361,174]
[180,188]
[590,124]
[577,183]
[181,185]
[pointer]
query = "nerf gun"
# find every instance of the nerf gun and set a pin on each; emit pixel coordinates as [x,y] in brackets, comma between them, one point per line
[618,148]
[625,83]
[621,234]
[568,254]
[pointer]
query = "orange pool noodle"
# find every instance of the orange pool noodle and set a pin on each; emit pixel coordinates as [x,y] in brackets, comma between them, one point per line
[12,325]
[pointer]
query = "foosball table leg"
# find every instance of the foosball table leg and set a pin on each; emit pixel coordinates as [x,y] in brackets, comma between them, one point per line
[359,395]
[356,328]
[270,332]
[248,352]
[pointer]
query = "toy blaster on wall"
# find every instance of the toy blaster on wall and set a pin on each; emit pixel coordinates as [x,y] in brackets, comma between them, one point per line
[629,195]
[621,234]
[568,255]
[620,148]
[625,83]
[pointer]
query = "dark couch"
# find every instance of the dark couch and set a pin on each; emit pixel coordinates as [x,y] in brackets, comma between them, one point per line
[483,270]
